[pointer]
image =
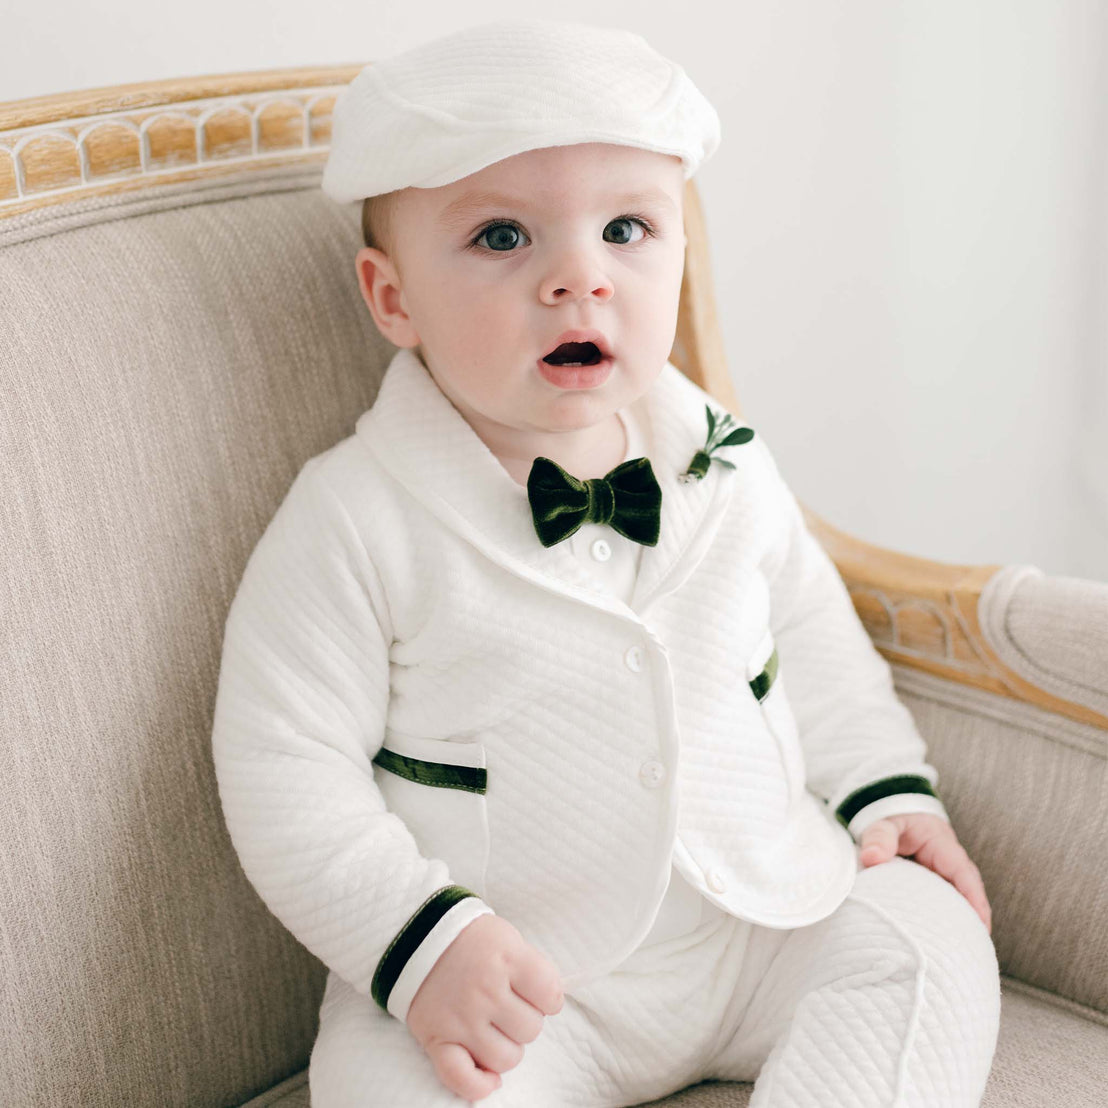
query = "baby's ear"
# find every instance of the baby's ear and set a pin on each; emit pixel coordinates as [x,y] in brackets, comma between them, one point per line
[379,283]
[366,262]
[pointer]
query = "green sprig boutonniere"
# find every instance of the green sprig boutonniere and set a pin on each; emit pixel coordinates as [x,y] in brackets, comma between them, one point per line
[724,433]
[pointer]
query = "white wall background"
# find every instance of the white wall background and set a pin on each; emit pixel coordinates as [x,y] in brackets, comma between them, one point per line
[909,224]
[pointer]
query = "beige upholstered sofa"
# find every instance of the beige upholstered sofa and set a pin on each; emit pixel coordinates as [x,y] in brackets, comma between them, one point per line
[180,329]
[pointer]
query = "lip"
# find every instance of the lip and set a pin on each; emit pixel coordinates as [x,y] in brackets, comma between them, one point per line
[597,337]
[577,377]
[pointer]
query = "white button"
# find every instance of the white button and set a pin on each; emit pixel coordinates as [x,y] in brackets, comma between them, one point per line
[633,659]
[600,550]
[652,774]
[715,881]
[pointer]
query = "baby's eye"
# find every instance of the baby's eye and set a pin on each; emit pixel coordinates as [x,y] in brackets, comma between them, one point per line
[501,237]
[623,232]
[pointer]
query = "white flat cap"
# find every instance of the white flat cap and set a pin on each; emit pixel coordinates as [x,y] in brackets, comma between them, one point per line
[452,106]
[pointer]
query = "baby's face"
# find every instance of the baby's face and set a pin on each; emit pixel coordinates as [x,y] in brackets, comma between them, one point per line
[582,237]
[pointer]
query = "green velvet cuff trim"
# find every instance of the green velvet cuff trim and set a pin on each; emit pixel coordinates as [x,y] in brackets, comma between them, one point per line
[409,937]
[761,684]
[473,779]
[887,786]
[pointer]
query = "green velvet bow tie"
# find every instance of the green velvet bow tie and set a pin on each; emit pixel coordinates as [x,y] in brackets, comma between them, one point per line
[627,498]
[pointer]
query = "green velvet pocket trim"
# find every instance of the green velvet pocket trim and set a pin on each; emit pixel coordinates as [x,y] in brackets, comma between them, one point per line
[886,786]
[409,937]
[437,774]
[761,684]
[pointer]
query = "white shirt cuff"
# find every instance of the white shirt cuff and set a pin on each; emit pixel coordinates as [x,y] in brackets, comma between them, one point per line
[423,959]
[897,804]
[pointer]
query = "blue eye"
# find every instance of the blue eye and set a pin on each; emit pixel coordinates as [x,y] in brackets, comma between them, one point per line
[502,236]
[626,221]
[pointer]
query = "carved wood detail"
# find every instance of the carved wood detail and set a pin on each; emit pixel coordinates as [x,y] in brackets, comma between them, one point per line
[57,149]
[923,614]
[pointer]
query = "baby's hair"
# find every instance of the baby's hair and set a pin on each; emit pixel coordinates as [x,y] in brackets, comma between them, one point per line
[377,221]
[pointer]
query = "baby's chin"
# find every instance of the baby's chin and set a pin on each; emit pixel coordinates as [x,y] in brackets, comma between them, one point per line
[578,409]
[602,423]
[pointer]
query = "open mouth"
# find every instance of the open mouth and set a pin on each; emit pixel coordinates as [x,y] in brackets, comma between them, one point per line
[574,354]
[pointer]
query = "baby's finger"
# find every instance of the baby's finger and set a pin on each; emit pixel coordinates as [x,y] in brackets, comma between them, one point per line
[492,1049]
[520,1020]
[536,980]
[948,858]
[967,880]
[879,842]
[456,1069]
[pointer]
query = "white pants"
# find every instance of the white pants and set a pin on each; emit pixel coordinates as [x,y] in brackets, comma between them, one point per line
[892,1001]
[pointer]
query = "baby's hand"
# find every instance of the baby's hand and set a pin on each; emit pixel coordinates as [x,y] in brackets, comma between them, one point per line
[931,840]
[486,995]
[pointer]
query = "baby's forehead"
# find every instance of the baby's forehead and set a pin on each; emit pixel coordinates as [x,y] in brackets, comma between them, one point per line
[559,179]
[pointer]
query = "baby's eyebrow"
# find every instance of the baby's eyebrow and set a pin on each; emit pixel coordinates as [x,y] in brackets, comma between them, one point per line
[462,209]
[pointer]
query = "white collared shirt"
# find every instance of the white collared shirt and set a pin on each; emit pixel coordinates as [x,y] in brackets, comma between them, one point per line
[612,562]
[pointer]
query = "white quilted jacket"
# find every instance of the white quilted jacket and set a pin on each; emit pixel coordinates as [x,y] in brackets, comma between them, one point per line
[400,606]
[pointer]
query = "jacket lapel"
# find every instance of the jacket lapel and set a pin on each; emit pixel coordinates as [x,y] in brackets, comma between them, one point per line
[691,513]
[425,444]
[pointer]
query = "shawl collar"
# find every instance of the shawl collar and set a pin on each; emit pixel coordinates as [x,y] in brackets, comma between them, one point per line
[422,440]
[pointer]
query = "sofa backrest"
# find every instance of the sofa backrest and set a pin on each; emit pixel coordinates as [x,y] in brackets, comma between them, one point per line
[167,364]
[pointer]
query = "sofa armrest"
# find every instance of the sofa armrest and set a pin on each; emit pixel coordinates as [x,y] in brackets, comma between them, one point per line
[1008,629]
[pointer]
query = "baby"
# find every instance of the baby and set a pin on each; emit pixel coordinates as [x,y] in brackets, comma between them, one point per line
[502,732]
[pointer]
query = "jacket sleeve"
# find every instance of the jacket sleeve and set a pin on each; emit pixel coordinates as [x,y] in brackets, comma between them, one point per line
[299,716]
[863,754]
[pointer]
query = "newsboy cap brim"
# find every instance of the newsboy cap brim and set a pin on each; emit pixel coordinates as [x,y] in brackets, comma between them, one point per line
[449,107]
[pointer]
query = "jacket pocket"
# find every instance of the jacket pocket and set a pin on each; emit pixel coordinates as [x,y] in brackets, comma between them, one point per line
[767,683]
[437,787]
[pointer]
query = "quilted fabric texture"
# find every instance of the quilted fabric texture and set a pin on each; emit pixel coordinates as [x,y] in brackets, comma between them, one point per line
[400,582]
[1045,1054]
[893,1001]
[385,606]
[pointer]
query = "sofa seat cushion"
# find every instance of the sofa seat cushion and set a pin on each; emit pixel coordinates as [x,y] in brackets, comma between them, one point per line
[1048,1052]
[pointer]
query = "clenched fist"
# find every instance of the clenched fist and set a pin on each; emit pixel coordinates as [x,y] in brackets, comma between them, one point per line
[485,997]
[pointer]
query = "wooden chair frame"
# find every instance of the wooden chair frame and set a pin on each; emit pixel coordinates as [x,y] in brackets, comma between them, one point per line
[111,141]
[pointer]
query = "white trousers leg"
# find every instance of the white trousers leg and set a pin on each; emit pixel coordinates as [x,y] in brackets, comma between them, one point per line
[892,1001]
[631,1036]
